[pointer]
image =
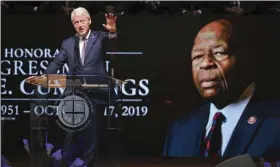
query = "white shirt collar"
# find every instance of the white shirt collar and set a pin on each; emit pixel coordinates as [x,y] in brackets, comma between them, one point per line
[237,106]
[86,36]
[235,109]
[232,112]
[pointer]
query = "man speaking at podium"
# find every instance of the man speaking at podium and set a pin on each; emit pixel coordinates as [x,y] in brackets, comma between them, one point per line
[88,61]
[91,46]
[235,119]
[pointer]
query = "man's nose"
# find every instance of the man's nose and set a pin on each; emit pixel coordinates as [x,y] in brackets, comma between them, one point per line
[208,62]
[80,24]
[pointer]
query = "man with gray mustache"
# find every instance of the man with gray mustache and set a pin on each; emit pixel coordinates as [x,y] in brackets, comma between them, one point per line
[235,120]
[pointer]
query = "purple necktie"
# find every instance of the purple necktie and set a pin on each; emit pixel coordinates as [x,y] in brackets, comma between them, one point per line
[83,50]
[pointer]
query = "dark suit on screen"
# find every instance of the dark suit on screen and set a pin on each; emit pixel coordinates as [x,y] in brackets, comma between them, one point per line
[260,139]
[83,145]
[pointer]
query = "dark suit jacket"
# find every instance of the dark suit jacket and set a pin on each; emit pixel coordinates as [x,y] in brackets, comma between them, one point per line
[94,57]
[260,139]
[93,64]
[83,144]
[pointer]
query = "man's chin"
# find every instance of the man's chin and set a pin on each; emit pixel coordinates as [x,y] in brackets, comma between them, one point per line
[82,33]
[209,94]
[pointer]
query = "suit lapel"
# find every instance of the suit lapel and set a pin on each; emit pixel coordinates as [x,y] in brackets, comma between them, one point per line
[201,122]
[90,42]
[245,130]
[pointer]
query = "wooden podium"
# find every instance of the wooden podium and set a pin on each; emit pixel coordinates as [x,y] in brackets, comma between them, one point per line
[60,81]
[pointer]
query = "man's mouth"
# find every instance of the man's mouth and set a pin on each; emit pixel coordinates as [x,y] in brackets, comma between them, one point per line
[208,83]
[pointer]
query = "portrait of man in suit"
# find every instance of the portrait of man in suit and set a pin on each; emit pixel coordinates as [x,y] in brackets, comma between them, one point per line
[84,53]
[235,119]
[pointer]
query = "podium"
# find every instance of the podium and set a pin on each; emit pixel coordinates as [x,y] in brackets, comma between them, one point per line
[73,120]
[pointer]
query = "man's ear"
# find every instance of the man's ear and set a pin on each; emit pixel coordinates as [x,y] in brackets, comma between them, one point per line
[89,21]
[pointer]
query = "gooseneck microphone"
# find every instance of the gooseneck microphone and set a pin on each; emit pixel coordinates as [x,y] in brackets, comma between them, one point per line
[76,53]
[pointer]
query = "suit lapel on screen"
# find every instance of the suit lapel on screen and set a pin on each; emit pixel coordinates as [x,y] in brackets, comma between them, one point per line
[245,130]
[201,122]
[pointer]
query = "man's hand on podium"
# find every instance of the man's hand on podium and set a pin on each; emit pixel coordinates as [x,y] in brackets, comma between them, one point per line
[31,78]
[41,80]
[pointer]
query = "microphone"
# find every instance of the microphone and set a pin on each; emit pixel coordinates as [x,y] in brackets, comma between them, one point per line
[77,35]
[76,53]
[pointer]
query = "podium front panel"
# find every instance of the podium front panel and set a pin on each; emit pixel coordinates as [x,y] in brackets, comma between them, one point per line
[76,125]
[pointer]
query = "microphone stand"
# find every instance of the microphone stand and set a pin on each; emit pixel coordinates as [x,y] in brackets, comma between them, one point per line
[74,74]
[71,83]
[76,53]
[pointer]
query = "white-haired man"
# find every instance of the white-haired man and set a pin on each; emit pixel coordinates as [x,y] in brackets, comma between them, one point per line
[84,55]
[91,45]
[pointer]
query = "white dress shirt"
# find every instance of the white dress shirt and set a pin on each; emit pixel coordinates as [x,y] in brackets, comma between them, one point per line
[232,112]
[81,42]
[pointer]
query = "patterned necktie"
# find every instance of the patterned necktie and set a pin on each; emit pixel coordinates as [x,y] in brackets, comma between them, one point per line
[213,142]
[84,40]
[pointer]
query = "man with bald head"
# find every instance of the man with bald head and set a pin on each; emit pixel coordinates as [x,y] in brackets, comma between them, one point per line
[234,120]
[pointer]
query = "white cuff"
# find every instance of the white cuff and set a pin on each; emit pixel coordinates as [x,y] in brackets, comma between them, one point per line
[112,35]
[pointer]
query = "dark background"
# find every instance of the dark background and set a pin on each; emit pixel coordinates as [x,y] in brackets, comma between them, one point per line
[165,41]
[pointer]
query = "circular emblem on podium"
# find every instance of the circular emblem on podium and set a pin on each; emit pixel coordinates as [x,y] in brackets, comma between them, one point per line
[74,111]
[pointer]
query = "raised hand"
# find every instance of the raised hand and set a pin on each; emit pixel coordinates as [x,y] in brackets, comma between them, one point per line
[110,22]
